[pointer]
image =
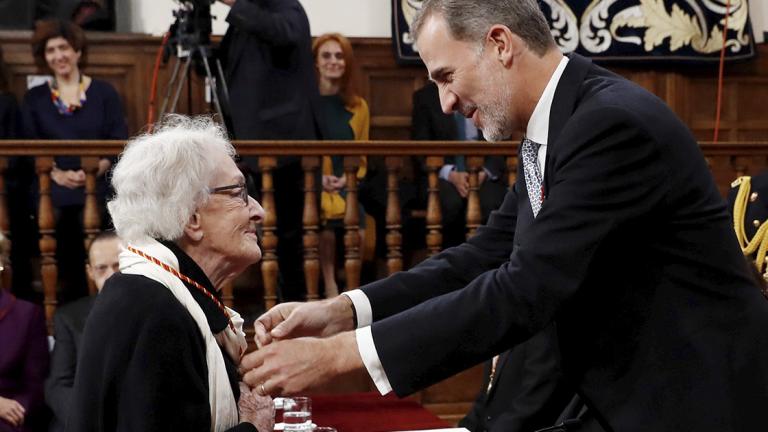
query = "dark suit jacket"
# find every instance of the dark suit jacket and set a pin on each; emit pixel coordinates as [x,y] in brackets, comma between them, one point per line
[270,71]
[68,325]
[633,254]
[528,391]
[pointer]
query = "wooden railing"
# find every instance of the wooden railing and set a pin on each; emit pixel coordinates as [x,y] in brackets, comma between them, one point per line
[727,161]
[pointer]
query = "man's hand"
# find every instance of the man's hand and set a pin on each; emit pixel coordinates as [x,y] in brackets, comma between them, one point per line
[461,181]
[294,366]
[229,3]
[68,178]
[12,412]
[291,320]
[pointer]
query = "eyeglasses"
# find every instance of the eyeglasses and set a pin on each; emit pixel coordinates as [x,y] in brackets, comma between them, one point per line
[242,194]
[327,55]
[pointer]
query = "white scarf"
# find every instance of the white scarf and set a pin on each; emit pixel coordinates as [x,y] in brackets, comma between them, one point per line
[220,397]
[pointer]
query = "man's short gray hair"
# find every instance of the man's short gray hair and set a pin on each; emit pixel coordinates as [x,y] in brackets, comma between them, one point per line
[163,177]
[470,20]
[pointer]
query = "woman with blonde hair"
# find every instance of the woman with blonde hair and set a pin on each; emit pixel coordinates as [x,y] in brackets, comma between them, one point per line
[346,117]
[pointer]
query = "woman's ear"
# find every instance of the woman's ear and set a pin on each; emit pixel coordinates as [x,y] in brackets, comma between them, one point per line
[194,229]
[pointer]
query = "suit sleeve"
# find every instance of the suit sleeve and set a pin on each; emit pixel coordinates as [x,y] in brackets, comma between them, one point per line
[61,379]
[285,26]
[450,270]
[604,178]
[115,126]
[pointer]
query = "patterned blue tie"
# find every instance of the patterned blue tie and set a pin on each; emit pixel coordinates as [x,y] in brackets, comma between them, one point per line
[533,180]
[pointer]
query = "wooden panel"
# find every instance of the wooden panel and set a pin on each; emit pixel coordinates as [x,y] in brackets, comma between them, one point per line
[126,61]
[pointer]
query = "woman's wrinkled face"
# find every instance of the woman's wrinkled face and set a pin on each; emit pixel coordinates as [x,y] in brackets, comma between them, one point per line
[61,58]
[330,60]
[230,217]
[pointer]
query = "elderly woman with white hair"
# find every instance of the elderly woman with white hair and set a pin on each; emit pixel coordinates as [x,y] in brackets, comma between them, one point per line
[160,351]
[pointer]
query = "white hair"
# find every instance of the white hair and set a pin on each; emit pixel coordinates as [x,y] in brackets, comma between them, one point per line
[162,177]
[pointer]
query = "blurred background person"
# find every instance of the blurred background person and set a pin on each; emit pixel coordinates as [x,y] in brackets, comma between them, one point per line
[346,117]
[72,106]
[430,123]
[19,181]
[23,361]
[160,351]
[68,325]
[267,59]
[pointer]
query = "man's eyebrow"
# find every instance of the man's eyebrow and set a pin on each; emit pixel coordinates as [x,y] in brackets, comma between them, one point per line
[438,74]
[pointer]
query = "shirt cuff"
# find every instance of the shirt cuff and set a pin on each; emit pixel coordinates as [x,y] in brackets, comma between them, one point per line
[362,307]
[371,360]
[445,170]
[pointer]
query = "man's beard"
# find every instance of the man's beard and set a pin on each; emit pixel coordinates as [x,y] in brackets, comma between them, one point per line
[495,124]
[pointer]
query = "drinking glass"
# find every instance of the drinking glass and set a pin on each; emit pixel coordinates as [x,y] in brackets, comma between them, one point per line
[297,414]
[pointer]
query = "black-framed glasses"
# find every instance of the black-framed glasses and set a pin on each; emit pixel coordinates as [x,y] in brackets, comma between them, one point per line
[243,194]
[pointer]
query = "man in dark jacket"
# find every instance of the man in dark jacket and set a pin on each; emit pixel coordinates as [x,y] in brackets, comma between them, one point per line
[267,59]
[68,324]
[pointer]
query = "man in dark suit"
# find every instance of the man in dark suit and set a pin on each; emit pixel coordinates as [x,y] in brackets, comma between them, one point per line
[615,230]
[429,123]
[68,325]
[267,59]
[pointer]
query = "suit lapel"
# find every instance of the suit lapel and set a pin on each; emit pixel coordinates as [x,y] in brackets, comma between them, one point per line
[563,105]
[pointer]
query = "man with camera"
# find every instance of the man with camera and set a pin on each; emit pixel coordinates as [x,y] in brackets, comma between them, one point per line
[268,65]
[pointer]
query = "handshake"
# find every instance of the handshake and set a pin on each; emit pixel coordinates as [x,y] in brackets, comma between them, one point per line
[302,346]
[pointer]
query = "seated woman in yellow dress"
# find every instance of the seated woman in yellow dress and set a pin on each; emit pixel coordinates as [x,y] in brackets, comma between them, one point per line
[346,117]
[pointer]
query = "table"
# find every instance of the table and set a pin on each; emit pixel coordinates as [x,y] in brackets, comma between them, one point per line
[371,412]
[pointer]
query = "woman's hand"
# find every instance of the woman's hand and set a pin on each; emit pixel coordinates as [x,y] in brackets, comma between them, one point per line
[328,183]
[255,409]
[12,412]
[68,178]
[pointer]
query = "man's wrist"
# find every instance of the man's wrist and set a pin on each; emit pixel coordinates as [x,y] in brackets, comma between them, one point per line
[347,310]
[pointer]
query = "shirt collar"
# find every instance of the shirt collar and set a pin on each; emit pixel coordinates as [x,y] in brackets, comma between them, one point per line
[538,126]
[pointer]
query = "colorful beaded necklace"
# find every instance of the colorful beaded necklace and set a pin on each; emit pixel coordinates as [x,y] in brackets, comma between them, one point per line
[62,106]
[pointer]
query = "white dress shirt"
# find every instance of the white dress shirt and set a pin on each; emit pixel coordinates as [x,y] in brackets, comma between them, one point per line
[537,131]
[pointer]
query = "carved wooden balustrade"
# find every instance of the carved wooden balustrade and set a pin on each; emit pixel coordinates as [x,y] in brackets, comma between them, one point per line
[726,160]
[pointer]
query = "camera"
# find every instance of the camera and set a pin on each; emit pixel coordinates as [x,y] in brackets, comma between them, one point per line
[192,26]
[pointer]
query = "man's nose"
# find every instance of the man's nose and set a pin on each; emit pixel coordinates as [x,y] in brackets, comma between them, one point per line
[448,101]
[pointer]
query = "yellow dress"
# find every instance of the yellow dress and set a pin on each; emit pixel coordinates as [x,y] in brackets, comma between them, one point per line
[332,204]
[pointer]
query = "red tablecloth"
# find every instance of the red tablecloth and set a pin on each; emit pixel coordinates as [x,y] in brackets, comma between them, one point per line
[371,412]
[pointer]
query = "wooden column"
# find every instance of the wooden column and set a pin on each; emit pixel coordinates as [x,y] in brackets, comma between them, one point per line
[46,223]
[269,267]
[5,226]
[91,216]
[474,212]
[311,221]
[434,216]
[394,237]
[352,260]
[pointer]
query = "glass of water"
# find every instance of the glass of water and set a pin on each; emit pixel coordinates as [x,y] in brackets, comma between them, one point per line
[297,414]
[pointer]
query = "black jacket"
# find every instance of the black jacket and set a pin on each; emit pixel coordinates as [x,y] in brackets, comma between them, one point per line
[68,325]
[268,64]
[632,254]
[142,364]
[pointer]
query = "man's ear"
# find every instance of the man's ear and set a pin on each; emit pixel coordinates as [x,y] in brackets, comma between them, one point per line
[505,44]
[193,229]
